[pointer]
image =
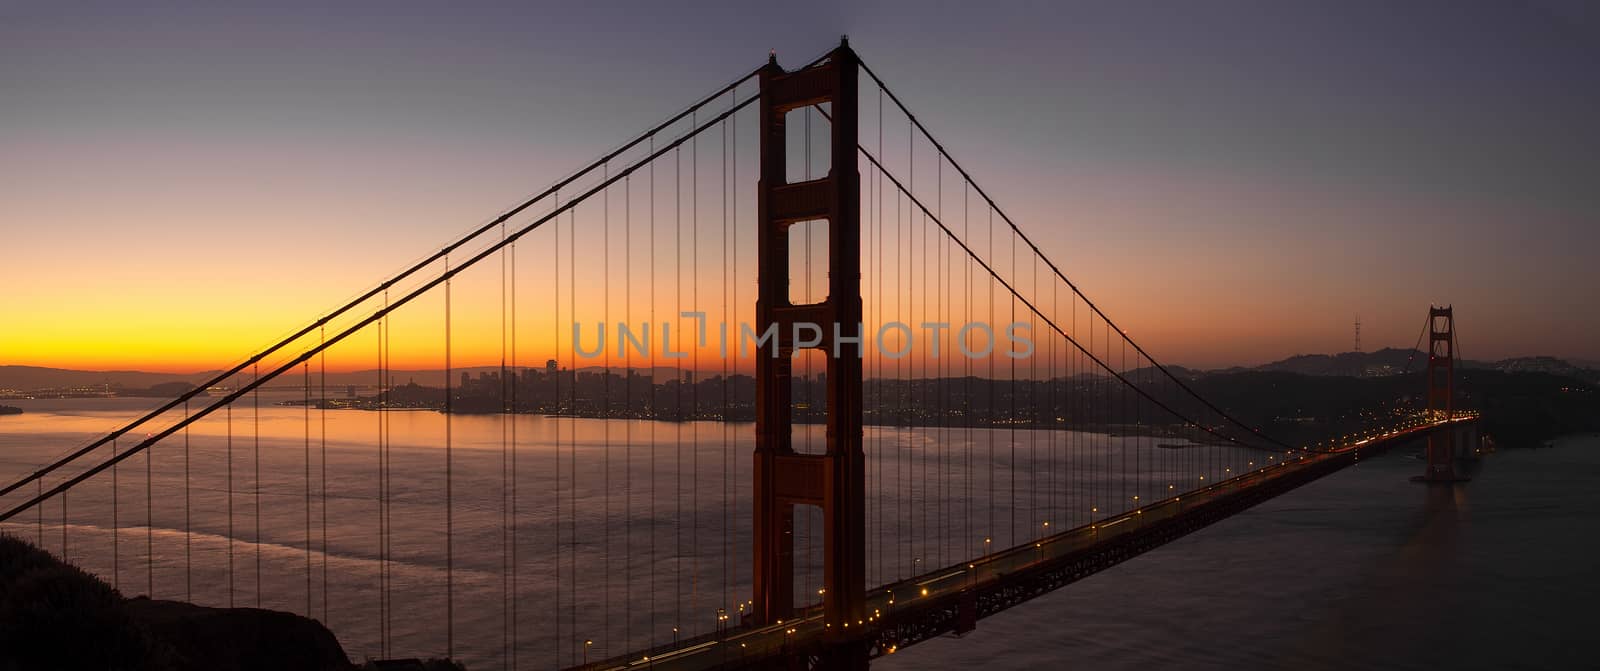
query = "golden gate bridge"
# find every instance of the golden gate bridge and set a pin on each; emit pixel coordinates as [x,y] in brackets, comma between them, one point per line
[892,494]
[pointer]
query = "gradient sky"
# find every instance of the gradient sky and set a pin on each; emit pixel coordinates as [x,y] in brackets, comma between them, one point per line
[1232,181]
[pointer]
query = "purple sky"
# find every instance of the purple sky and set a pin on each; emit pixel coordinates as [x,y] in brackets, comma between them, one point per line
[1233,181]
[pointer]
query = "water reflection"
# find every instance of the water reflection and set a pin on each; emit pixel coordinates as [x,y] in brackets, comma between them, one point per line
[622,530]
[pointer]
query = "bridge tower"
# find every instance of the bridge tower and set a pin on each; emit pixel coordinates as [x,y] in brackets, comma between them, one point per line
[835,480]
[1441,395]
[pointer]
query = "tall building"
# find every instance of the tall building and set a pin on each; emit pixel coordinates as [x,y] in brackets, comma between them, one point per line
[550,367]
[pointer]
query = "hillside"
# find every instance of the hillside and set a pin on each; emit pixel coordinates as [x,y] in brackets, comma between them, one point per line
[1392,361]
[54,615]
[27,378]
[1387,361]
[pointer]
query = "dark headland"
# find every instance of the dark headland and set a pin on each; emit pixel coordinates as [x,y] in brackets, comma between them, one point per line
[54,615]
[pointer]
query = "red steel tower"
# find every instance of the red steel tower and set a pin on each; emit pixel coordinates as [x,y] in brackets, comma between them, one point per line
[1441,395]
[783,478]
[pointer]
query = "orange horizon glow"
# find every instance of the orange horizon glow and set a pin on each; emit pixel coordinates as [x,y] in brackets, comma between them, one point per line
[166,212]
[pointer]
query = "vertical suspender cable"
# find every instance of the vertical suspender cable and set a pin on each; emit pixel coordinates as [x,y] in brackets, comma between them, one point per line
[449,486]
[514,418]
[694,386]
[727,453]
[733,287]
[1093,442]
[902,388]
[386,417]
[322,416]
[928,536]
[1108,415]
[555,325]
[379,396]
[878,486]
[572,434]
[1102,436]
[940,296]
[116,554]
[677,402]
[990,383]
[966,363]
[1011,417]
[920,468]
[605,269]
[651,407]
[149,525]
[505,466]
[188,537]
[228,410]
[306,412]
[627,413]
[1057,460]
[382,395]
[256,396]
[918,457]
[722,380]
[871,401]
[1033,431]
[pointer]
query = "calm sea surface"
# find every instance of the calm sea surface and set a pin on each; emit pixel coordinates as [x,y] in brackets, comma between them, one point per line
[1359,570]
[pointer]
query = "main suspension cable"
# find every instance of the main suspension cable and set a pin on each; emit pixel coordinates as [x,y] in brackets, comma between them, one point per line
[969,179]
[354,328]
[1030,306]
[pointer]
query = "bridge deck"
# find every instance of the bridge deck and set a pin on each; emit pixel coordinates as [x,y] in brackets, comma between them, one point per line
[952,599]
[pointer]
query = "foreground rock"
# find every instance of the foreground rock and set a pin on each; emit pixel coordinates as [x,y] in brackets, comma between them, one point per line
[237,639]
[56,616]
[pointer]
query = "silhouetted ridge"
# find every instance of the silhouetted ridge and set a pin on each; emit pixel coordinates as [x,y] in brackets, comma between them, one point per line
[54,615]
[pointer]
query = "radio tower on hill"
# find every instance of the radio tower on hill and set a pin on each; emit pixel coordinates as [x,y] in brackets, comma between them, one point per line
[1358,333]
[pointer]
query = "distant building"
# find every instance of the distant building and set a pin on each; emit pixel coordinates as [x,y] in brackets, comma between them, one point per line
[550,367]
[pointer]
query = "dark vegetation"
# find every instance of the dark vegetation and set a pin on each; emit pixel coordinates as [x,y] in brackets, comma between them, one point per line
[1525,409]
[56,616]
[1519,409]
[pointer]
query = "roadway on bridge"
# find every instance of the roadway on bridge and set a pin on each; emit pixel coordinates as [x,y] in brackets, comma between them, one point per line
[885,603]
